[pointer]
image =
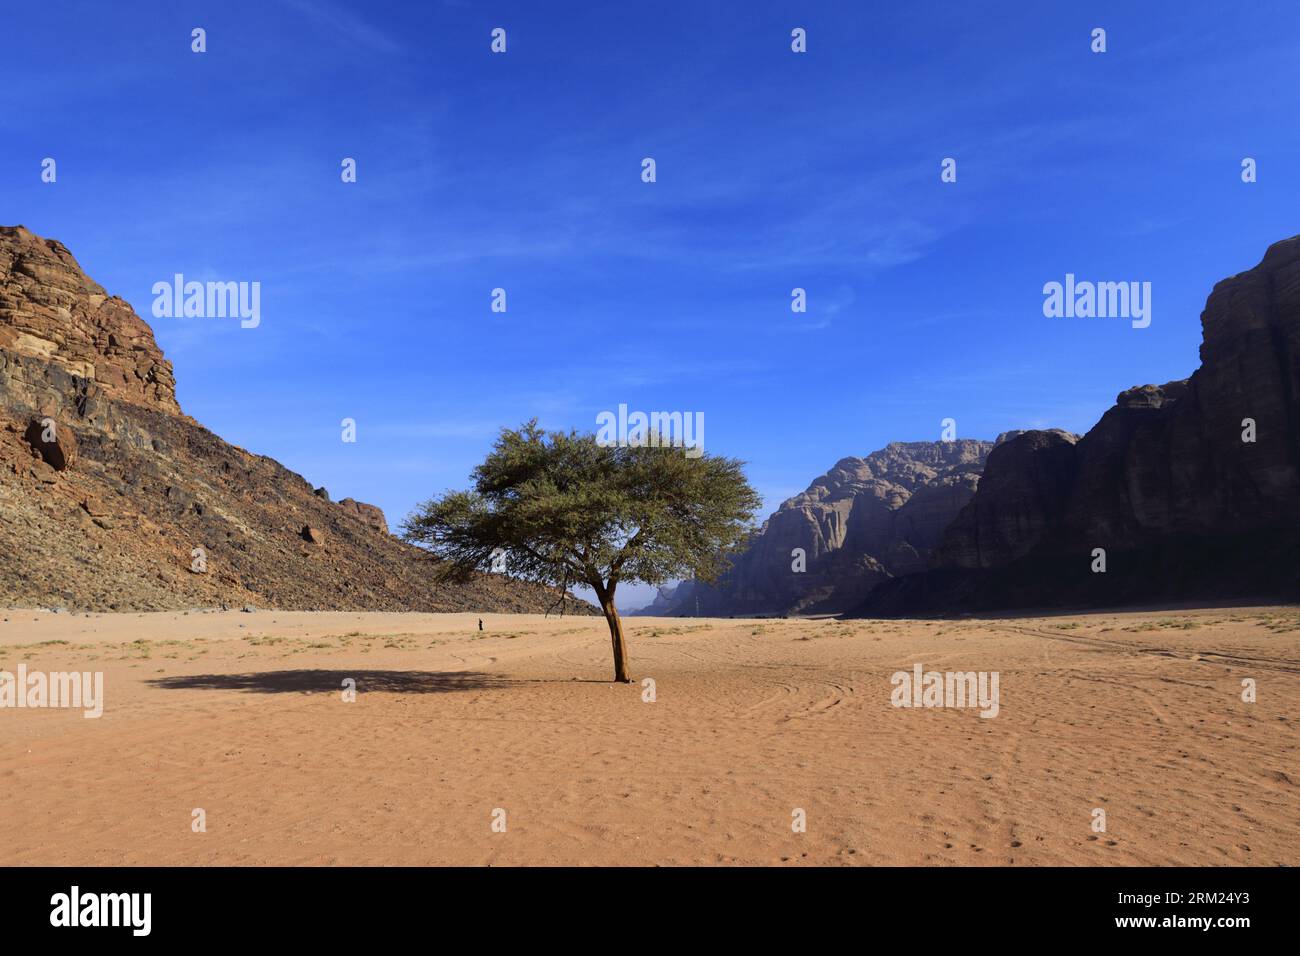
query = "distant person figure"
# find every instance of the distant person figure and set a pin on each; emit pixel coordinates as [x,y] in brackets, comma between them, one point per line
[480,624]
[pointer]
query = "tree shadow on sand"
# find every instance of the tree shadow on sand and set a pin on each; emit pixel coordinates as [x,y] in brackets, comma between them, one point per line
[331,681]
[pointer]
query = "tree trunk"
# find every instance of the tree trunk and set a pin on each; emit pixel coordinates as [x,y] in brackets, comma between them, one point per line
[616,636]
[605,594]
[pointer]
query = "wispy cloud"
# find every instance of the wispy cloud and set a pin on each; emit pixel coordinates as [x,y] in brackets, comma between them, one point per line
[343,24]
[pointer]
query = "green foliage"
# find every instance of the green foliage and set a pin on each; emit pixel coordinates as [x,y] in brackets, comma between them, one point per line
[562,510]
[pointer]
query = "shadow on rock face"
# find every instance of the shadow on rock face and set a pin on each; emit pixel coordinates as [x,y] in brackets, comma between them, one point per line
[55,442]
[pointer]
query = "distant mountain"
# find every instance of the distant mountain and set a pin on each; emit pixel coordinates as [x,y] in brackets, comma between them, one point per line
[112,498]
[1191,489]
[864,521]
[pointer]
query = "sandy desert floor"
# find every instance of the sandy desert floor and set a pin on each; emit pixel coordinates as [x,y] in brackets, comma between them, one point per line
[242,715]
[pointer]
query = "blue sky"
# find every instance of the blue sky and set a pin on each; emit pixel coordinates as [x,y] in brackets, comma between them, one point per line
[775,170]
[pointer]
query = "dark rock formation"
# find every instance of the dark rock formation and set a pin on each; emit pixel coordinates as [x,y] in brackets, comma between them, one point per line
[151,510]
[55,444]
[1167,483]
[372,515]
[1027,476]
[864,521]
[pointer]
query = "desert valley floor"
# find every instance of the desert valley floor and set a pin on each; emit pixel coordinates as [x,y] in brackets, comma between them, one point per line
[242,715]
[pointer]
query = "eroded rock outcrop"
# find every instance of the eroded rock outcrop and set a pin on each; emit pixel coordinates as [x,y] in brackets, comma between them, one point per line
[372,515]
[1192,488]
[1028,475]
[56,446]
[50,310]
[130,504]
[864,521]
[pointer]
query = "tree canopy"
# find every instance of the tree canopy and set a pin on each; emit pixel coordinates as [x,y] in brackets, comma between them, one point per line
[561,509]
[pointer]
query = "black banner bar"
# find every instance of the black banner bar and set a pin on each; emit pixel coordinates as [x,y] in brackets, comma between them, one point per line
[242,905]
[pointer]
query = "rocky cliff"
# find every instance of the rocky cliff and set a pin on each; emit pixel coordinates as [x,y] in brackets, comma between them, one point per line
[112,498]
[865,521]
[1186,491]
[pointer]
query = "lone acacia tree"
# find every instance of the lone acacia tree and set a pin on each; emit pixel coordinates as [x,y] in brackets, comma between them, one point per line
[561,509]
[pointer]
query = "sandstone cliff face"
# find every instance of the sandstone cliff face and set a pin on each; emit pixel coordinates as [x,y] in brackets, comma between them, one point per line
[111,498]
[866,520]
[1027,476]
[50,310]
[1184,508]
